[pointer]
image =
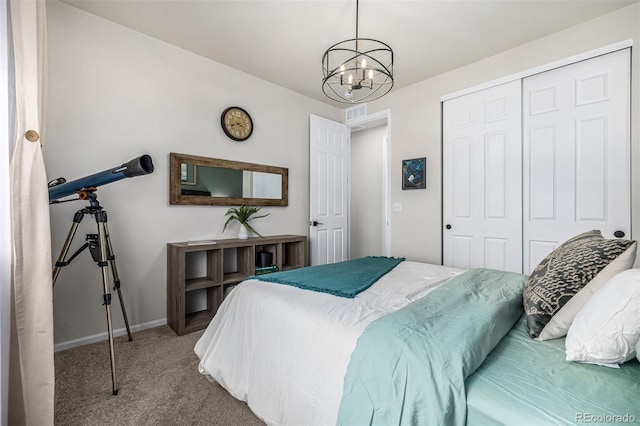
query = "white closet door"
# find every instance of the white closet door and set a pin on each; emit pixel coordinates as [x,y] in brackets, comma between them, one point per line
[482,179]
[576,152]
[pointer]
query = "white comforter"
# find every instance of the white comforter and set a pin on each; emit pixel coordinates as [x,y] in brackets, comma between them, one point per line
[285,351]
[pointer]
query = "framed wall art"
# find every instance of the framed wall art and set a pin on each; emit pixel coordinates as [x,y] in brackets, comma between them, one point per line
[414,173]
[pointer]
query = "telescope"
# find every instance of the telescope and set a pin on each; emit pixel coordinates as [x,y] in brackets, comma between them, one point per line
[98,244]
[139,166]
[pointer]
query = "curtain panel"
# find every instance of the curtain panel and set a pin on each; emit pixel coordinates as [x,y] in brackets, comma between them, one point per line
[31,376]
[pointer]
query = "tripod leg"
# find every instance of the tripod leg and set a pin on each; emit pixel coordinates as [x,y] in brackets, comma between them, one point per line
[101,219]
[77,218]
[116,279]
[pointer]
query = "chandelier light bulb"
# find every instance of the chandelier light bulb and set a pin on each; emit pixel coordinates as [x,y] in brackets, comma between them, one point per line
[350,79]
[364,62]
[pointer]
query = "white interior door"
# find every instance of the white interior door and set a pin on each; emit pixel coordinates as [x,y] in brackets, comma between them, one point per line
[576,143]
[328,191]
[482,175]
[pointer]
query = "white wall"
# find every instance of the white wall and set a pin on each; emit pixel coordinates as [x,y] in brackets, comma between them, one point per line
[367,191]
[416,131]
[115,94]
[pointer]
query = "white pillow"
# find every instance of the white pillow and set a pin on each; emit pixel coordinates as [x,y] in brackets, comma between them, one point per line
[607,328]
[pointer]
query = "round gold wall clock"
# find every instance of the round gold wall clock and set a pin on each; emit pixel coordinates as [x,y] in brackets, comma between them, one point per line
[236,123]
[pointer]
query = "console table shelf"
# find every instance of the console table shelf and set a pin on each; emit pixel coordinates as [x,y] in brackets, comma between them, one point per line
[215,268]
[198,283]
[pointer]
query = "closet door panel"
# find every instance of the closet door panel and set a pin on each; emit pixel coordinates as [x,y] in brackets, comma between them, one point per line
[496,168]
[482,180]
[542,179]
[591,169]
[462,249]
[461,165]
[495,253]
[576,148]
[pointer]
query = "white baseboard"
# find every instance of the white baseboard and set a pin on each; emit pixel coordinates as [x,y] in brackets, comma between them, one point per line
[104,336]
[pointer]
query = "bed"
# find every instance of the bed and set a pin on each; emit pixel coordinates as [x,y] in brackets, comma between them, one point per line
[300,357]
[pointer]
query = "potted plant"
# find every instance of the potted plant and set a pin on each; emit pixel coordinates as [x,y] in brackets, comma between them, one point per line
[243,214]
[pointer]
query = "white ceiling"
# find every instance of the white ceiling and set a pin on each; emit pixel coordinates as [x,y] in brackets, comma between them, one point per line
[283,41]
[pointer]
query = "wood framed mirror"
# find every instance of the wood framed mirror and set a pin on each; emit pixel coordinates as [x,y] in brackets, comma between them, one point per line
[197,180]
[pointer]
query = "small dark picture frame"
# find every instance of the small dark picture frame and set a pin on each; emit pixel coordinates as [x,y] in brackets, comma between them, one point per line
[414,173]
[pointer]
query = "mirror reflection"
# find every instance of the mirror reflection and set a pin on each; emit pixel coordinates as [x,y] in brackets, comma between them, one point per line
[224,182]
[203,180]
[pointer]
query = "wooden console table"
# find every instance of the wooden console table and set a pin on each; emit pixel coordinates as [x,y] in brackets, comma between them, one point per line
[215,268]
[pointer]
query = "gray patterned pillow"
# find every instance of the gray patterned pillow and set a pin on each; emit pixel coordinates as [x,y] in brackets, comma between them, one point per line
[564,272]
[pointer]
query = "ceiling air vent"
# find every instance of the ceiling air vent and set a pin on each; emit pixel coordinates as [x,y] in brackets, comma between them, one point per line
[356,111]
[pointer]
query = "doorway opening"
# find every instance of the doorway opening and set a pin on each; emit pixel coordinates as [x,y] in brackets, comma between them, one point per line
[369,186]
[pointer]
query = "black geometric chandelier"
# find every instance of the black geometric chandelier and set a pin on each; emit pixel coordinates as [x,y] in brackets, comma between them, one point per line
[357,70]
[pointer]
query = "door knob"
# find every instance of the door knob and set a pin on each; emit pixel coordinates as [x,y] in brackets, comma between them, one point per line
[448,226]
[315,223]
[618,234]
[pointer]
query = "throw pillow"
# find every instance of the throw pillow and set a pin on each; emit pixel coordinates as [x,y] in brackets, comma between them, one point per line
[607,329]
[561,321]
[564,272]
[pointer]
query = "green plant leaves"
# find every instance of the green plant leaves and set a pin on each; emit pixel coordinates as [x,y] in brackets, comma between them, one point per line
[243,214]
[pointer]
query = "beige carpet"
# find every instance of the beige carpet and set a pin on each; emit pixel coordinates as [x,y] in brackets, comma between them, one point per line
[158,380]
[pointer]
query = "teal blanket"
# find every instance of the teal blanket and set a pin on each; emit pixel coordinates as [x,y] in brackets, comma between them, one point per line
[409,367]
[345,279]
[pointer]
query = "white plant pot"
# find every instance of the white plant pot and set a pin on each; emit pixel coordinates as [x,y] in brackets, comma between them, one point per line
[243,233]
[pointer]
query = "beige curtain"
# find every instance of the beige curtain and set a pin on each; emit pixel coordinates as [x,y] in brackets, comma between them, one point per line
[31,376]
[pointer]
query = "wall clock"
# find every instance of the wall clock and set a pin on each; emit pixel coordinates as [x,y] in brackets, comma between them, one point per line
[236,123]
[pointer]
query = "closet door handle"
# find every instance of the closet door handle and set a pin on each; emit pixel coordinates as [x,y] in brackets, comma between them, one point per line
[619,234]
[448,226]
